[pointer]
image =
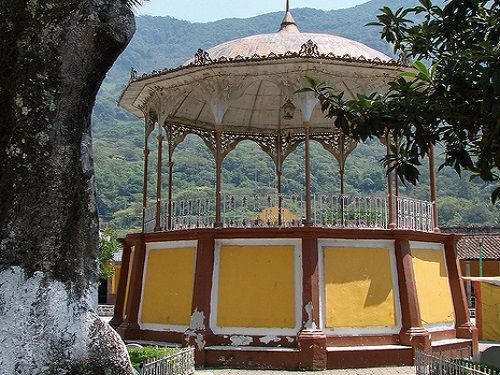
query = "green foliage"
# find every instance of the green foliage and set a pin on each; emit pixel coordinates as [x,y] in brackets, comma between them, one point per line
[455,102]
[140,355]
[108,246]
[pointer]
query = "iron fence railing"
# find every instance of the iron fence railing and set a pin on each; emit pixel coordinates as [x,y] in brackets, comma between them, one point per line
[349,211]
[457,363]
[150,218]
[181,363]
[273,210]
[415,214]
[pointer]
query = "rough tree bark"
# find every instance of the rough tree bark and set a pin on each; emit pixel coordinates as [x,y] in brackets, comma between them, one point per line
[54,55]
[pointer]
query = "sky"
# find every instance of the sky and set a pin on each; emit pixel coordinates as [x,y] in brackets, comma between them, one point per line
[212,10]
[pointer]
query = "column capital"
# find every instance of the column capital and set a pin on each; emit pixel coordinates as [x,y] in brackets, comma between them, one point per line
[306,124]
[219,127]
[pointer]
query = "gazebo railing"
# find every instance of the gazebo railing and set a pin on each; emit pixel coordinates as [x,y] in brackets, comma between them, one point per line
[349,211]
[149,218]
[258,211]
[273,210]
[191,213]
[415,214]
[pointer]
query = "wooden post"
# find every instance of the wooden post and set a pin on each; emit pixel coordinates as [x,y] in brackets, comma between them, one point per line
[311,339]
[390,194]
[308,222]
[279,165]
[122,286]
[129,329]
[158,180]
[465,329]
[198,331]
[218,175]
[145,186]
[432,183]
[412,332]
[170,182]
[342,162]
[479,309]
[396,178]
[171,147]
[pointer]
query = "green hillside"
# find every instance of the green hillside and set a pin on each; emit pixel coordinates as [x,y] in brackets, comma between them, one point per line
[167,42]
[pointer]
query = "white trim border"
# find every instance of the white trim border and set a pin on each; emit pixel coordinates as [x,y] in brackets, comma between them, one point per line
[357,331]
[168,245]
[245,242]
[431,327]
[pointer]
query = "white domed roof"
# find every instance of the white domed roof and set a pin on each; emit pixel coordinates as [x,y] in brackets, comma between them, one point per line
[282,42]
[242,84]
[290,39]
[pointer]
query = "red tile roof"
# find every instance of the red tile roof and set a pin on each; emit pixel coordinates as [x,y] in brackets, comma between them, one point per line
[469,246]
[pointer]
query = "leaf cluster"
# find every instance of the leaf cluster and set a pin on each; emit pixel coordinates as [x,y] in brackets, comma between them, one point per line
[454,101]
[139,356]
[108,246]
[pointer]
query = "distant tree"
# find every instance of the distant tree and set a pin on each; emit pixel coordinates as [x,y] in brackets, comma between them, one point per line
[455,102]
[54,55]
[108,246]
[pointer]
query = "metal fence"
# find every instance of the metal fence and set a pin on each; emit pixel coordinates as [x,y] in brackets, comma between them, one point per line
[428,364]
[273,210]
[181,363]
[415,214]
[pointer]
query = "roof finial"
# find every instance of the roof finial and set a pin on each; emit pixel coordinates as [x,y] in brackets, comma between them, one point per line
[288,24]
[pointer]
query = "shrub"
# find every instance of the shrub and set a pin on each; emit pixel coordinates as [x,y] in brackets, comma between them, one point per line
[138,356]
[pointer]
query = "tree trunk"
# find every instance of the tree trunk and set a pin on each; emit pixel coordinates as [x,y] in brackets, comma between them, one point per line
[54,55]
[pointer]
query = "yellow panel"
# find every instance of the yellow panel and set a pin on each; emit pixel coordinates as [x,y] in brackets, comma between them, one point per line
[168,287]
[358,287]
[490,303]
[115,278]
[127,286]
[433,288]
[256,287]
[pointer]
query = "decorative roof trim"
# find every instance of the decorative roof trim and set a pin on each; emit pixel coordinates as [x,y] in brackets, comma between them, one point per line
[202,57]
[308,49]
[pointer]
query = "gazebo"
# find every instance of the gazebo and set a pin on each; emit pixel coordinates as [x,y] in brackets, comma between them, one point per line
[309,282]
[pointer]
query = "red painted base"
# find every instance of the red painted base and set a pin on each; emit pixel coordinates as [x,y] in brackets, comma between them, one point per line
[252,358]
[356,357]
[309,349]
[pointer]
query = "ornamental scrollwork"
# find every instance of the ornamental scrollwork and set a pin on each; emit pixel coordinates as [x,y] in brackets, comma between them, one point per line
[289,141]
[202,57]
[309,49]
[229,141]
[267,143]
[404,59]
[180,131]
[337,144]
